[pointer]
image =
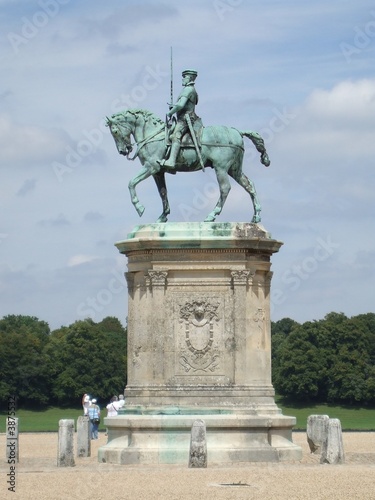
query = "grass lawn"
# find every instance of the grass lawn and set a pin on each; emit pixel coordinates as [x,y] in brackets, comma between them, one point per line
[352,418]
[44,420]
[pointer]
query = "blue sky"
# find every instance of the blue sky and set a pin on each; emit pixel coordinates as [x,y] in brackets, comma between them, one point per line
[300,73]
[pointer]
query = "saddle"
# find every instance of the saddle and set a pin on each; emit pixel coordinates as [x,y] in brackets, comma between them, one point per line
[187,140]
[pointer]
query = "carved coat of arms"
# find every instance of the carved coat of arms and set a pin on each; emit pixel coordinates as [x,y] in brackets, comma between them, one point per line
[198,354]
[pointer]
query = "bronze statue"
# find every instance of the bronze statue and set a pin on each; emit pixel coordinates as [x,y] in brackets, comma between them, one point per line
[186,117]
[184,145]
[221,148]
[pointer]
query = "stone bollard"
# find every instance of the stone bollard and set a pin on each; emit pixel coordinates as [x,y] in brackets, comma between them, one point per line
[65,452]
[333,447]
[316,432]
[198,445]
[12,450]
[83,437]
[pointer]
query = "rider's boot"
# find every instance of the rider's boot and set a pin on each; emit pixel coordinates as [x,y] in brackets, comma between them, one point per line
[171,162]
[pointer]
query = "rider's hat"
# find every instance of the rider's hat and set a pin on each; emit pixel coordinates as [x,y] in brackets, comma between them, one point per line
[190,72]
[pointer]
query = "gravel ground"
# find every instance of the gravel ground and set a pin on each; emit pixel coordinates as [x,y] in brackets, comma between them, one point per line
[37,476]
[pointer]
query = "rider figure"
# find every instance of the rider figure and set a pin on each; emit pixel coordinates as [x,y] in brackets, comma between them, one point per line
[186,102]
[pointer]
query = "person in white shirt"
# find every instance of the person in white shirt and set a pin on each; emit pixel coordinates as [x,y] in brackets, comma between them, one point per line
[112,407]
[85,403]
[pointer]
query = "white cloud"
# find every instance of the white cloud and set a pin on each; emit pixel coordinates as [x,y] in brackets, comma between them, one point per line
[350,104]
[333,128]
[22,144]
[77,260]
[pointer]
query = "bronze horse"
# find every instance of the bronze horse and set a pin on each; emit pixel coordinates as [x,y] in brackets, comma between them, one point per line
[222,148]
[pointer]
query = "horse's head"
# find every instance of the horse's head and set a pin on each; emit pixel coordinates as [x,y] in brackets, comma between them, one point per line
[121,127]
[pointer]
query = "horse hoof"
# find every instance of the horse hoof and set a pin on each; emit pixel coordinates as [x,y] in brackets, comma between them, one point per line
[256,219]
[265,160]
[140,209]
[162,219]
[210,218]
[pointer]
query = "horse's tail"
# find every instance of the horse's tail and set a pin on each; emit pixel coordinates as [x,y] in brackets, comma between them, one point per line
[258,142]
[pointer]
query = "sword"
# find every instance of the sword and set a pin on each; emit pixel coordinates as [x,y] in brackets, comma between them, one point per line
[171,77]
[193,136]
[167,118]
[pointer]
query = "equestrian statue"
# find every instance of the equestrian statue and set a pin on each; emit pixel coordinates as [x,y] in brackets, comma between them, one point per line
[183,144]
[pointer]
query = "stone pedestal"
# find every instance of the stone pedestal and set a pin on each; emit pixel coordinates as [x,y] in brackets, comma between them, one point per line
[316,431]
[199,343]
[333,446]
[83,436]
[65,448]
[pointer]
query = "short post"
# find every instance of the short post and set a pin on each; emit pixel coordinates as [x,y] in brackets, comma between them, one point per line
[316,432]
[65,452]
[12,449]
[83,437]
[333,447]
[198,445]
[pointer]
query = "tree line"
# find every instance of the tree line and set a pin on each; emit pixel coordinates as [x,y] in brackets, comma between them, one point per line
[325,361]
[42,367]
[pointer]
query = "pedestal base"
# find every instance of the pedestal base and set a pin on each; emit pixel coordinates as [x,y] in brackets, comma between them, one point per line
[231,438]
[199,347]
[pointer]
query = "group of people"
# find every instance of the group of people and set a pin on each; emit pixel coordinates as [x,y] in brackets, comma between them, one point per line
[114,405]
[92,410]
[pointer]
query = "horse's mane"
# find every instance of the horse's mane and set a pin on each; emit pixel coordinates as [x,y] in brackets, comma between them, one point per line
[147,115]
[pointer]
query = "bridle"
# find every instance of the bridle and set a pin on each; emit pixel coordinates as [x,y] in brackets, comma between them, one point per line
[129,145]
[125,136]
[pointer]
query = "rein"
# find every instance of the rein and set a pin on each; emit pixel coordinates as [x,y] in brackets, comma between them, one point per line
[141,143]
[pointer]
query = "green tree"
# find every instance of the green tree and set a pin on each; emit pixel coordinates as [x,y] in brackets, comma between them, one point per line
[279,332]
[87,357]
[351,376]
[331,360]
[23,370]
[301,367]
[283,326]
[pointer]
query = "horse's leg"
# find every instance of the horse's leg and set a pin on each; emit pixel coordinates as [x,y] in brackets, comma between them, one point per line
[224,186]
[159,179]
[142,175]
[248,185]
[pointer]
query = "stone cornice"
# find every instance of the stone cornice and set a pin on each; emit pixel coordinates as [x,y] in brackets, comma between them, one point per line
[199,237]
